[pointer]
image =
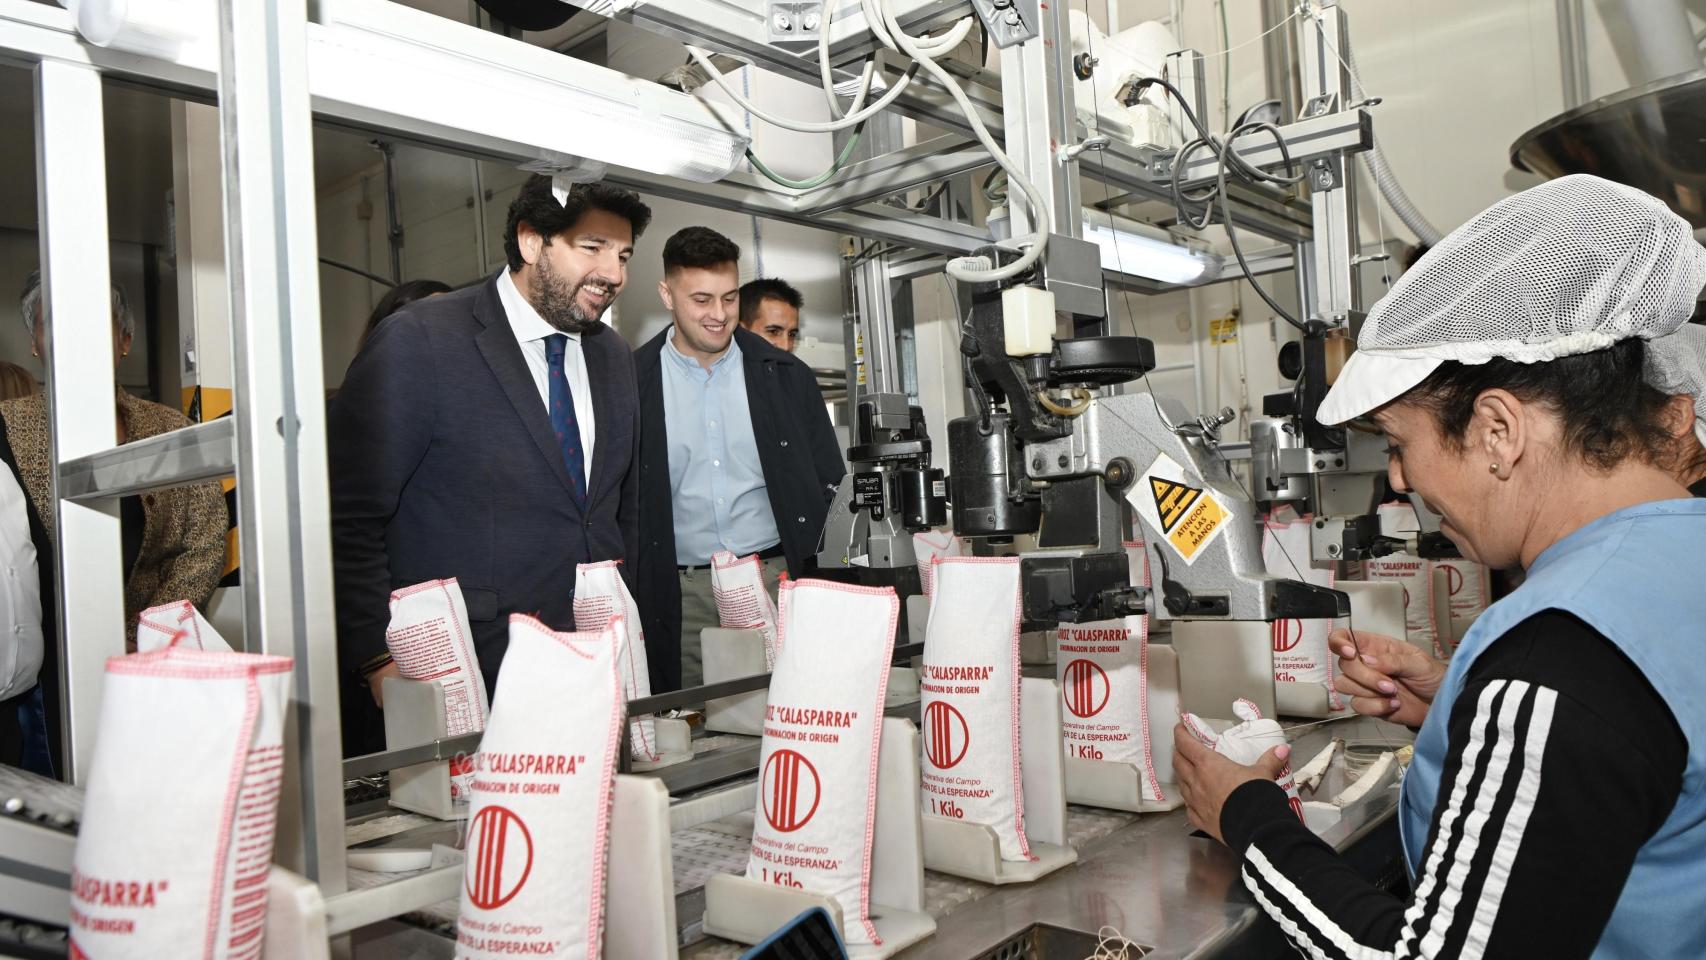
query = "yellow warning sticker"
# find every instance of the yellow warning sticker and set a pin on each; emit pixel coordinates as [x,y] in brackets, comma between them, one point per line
[1186,514]
[1171,501]
[1223,331]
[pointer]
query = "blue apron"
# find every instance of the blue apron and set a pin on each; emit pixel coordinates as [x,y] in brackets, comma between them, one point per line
[1638,576]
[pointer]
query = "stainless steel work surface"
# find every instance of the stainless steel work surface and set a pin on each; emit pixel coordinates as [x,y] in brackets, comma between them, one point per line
[1154,882]
[1147,877]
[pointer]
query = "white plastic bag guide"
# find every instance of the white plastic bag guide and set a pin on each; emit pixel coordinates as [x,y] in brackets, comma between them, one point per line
[737,586]
[429,639]
[157,626]
[1103,667]
[600,594]
[1414,574]
[969,682]
[538,827]
[1161,683]
[817,787]
[180,872]
[927,546]
[1301,652]
[1246,742]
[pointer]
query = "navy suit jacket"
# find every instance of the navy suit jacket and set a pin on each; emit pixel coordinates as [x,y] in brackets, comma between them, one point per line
[443,463]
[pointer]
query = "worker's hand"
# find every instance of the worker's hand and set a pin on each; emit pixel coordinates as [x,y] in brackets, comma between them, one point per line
[376,681]
[1388,678]
[1206,778]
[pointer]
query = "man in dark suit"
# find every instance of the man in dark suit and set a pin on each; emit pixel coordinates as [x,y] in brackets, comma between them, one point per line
[737,453]
[488,435]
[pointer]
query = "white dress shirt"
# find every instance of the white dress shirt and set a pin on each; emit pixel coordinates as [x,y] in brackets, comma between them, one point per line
[530,331]
[20,600]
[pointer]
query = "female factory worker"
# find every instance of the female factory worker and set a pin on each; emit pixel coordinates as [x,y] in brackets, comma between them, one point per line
[1554,805]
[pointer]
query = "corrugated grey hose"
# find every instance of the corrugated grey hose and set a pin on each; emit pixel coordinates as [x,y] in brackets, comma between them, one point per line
[1389,186]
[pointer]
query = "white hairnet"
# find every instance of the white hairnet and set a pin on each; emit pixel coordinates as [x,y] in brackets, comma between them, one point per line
[1570,266]
[1677,364]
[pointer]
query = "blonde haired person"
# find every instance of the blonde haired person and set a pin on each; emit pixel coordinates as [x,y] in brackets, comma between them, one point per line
[16,382]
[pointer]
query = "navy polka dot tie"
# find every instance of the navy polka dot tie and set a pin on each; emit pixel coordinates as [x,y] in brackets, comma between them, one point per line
[563,421]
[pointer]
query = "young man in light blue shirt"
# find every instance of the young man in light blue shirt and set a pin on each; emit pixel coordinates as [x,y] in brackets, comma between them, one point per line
[737,452]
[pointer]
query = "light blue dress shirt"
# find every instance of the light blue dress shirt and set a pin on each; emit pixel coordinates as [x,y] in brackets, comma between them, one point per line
[716,481]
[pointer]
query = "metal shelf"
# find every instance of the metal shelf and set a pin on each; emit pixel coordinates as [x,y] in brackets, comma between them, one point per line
[204,451]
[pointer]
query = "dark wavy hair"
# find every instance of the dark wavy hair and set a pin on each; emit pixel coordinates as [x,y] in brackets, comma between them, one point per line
[536,207]
[1609,412]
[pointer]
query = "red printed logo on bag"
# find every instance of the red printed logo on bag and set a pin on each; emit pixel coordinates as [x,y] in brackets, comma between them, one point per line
[1287,634]
[1086,690]
[500,856]
[790,791]
[946,735]
[1453,580]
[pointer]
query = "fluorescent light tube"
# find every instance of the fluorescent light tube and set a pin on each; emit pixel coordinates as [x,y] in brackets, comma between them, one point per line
[390,58]
[1140,250]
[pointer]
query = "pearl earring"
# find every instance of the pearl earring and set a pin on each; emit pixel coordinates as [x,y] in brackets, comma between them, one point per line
[1493,469]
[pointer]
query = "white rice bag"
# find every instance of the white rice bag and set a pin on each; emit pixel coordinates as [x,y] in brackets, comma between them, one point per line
[929,545]
[429,639]
[970,685]
[156,627]
[600,594]
[737,586]
[817,787]
[1301,653]
[1113,707]
[1246,742]
[1470,591]
[178,866]
[539,818]
[1103,667]
[1469,586]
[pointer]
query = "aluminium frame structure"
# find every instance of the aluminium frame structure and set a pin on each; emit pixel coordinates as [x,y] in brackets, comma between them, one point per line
[269,94]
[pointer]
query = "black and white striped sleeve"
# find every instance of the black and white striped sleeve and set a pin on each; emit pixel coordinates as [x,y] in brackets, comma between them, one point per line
[1563,761]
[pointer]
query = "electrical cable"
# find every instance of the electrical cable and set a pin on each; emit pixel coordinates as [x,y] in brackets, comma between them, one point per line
[825,16]
[978,269]
[923,52]
[835,166]
[703,59]
[1196,208]
[1080,403]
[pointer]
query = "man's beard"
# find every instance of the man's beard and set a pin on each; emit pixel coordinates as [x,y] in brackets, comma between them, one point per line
[558,303]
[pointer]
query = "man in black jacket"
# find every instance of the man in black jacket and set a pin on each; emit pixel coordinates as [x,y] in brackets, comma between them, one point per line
[736,453]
